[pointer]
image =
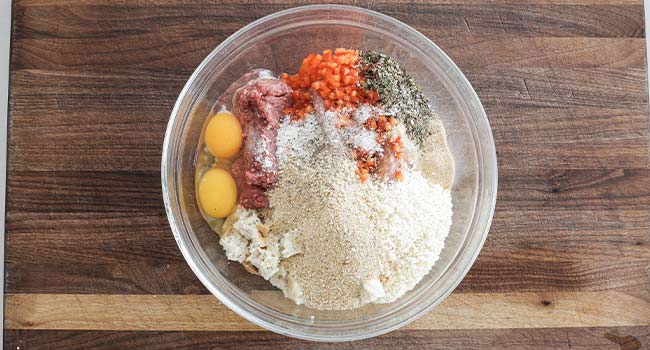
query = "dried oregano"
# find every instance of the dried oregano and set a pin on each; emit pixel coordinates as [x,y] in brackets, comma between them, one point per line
[399,93]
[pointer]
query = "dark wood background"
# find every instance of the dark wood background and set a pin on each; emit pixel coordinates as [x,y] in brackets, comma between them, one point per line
[90,259]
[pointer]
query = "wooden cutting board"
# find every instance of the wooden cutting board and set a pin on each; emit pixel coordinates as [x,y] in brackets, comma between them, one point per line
[90,259]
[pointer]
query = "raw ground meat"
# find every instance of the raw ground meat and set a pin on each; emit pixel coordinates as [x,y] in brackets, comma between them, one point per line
[259,107]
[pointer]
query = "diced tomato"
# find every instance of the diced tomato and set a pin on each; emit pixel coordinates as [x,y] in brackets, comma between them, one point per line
[334,75]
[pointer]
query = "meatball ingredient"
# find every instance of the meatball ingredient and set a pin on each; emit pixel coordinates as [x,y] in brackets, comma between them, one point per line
[399,94]
[217,193]
[360,242]
[247,240]
[334,76]
[223,135]
[258,106]
[299,139]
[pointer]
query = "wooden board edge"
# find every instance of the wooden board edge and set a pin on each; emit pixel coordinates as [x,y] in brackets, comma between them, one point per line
[5,45]
[205,313]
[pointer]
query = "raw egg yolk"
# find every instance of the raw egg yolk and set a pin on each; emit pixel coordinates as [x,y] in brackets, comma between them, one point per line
[223,135]
[217,193]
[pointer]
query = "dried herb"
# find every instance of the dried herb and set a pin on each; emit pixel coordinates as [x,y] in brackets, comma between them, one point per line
[399,93]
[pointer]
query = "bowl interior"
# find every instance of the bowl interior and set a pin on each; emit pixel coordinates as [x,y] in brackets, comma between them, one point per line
[279,43]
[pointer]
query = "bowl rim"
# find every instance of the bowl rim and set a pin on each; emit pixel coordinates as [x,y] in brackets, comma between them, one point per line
[492,184]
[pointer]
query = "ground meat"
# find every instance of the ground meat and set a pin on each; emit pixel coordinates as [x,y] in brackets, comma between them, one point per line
[250,196]
[258,106]
[260,103]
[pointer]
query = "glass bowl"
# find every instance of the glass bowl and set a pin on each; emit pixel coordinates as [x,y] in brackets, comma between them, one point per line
[279,42]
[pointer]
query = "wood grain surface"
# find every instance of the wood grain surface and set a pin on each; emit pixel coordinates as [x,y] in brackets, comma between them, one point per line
[90,259]
[200,313]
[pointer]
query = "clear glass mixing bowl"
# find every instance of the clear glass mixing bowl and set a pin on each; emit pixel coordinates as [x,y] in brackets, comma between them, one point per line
[279,42]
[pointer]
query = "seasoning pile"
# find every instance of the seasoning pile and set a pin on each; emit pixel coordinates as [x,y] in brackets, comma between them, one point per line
[343,176]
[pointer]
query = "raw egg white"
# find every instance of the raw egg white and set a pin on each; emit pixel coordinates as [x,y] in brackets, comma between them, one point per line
[217,193]
[223,135]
